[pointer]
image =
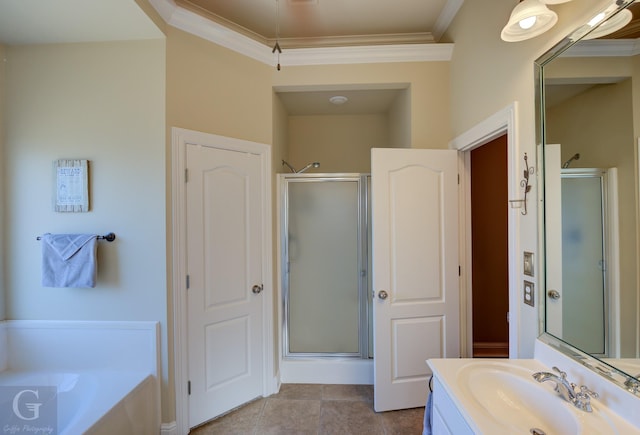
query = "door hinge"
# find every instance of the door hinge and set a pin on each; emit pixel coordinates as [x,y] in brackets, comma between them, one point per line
[189,388]
[459,270]
[458,178]
[188,282]
[186,175]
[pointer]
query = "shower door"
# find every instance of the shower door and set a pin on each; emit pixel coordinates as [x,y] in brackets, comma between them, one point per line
[324,265]
[584,281]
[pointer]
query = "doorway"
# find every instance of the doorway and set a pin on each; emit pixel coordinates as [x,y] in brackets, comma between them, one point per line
[523,319]
[490,270]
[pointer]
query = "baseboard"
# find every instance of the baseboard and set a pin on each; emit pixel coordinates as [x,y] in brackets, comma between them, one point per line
[327,371]
[275,384]
[169,428]
[490,349]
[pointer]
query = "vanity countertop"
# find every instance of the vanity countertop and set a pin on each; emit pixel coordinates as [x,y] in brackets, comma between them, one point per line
[501,396]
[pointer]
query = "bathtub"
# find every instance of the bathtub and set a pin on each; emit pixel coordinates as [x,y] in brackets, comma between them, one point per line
[105,374]
[94,402]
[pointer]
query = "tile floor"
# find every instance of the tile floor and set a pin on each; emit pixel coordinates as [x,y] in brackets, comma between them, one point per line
[312,409]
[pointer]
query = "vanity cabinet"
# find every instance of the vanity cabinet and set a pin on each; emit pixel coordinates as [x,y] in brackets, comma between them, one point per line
[447,419]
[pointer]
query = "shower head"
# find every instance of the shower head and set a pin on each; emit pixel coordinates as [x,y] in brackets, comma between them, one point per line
[292,169]
[566,164]
[314,164]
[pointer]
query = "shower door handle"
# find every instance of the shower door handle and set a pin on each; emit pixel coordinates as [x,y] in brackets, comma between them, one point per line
[256,289]
[383,295]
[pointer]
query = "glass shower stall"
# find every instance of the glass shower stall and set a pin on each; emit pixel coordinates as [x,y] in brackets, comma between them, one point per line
[325,262]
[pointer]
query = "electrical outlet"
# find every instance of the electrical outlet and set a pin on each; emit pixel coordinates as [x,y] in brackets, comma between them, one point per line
[528,293]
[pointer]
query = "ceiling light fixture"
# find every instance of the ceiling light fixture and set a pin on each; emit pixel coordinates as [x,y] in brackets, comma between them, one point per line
[613,24]
[338,99]
[528,19]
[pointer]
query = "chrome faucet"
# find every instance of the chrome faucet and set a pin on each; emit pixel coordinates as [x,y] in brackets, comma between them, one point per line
[633,385]
[580,399]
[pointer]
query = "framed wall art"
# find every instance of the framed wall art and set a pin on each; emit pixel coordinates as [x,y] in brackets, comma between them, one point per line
[71,184]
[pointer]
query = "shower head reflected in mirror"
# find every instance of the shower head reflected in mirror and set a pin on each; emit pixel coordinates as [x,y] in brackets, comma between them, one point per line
[292,169]
[310,165]
[566,164]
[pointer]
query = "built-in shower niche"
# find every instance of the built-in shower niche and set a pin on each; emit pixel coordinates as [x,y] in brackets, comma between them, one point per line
[325,245]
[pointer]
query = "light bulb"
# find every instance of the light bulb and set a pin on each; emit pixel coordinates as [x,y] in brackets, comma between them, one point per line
[595,20]
[527,23]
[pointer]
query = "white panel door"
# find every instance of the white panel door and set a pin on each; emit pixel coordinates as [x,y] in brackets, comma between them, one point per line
[553,239]
[415,270]
[224,264]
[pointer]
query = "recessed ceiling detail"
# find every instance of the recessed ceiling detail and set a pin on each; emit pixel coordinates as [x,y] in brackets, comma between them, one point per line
[314,23]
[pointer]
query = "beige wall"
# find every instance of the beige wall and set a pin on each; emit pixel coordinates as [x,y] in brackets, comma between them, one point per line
[3,171]
[341,143]
[400,120]
[103,102]
[215,90]
[428,97]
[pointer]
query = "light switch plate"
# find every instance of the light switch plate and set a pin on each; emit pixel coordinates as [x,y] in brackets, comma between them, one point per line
[529,295]
[527,262]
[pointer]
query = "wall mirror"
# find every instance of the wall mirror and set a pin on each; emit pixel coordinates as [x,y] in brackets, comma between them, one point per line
[588,119]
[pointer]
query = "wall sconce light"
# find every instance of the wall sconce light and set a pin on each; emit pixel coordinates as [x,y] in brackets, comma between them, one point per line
[529,19]
[524,184]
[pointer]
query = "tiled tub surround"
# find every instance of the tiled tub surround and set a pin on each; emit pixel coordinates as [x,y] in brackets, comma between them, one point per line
[467,398]
[110,371]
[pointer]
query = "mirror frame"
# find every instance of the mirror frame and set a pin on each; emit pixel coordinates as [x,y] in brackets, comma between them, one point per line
[594,364]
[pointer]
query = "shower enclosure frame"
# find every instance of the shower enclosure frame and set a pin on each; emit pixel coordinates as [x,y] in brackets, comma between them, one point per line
[607,179]
[365,330]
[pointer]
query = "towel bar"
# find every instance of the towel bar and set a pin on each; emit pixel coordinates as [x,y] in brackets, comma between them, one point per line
[108,237]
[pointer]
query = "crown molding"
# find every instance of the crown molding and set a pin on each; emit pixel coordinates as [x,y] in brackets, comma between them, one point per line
[205,28]
[447,15]
[367,54]
[604,48]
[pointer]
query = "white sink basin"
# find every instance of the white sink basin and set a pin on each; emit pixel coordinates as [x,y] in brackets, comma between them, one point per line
[501,396]
[514,401]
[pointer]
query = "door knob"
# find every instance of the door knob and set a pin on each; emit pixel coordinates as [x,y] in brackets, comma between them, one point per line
[554,294]
[383,294]
[257,288]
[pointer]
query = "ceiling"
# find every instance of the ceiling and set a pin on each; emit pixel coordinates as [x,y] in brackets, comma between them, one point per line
[359,101]
[309,23]
[631,30]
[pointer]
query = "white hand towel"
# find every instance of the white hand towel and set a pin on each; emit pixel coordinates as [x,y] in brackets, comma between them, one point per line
[69,260]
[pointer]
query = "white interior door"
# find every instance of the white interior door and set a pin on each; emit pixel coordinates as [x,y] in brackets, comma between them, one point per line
[415,270]
[553,238]
[224,265]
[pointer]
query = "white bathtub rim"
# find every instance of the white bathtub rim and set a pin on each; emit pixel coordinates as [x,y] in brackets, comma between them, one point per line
[113,386]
